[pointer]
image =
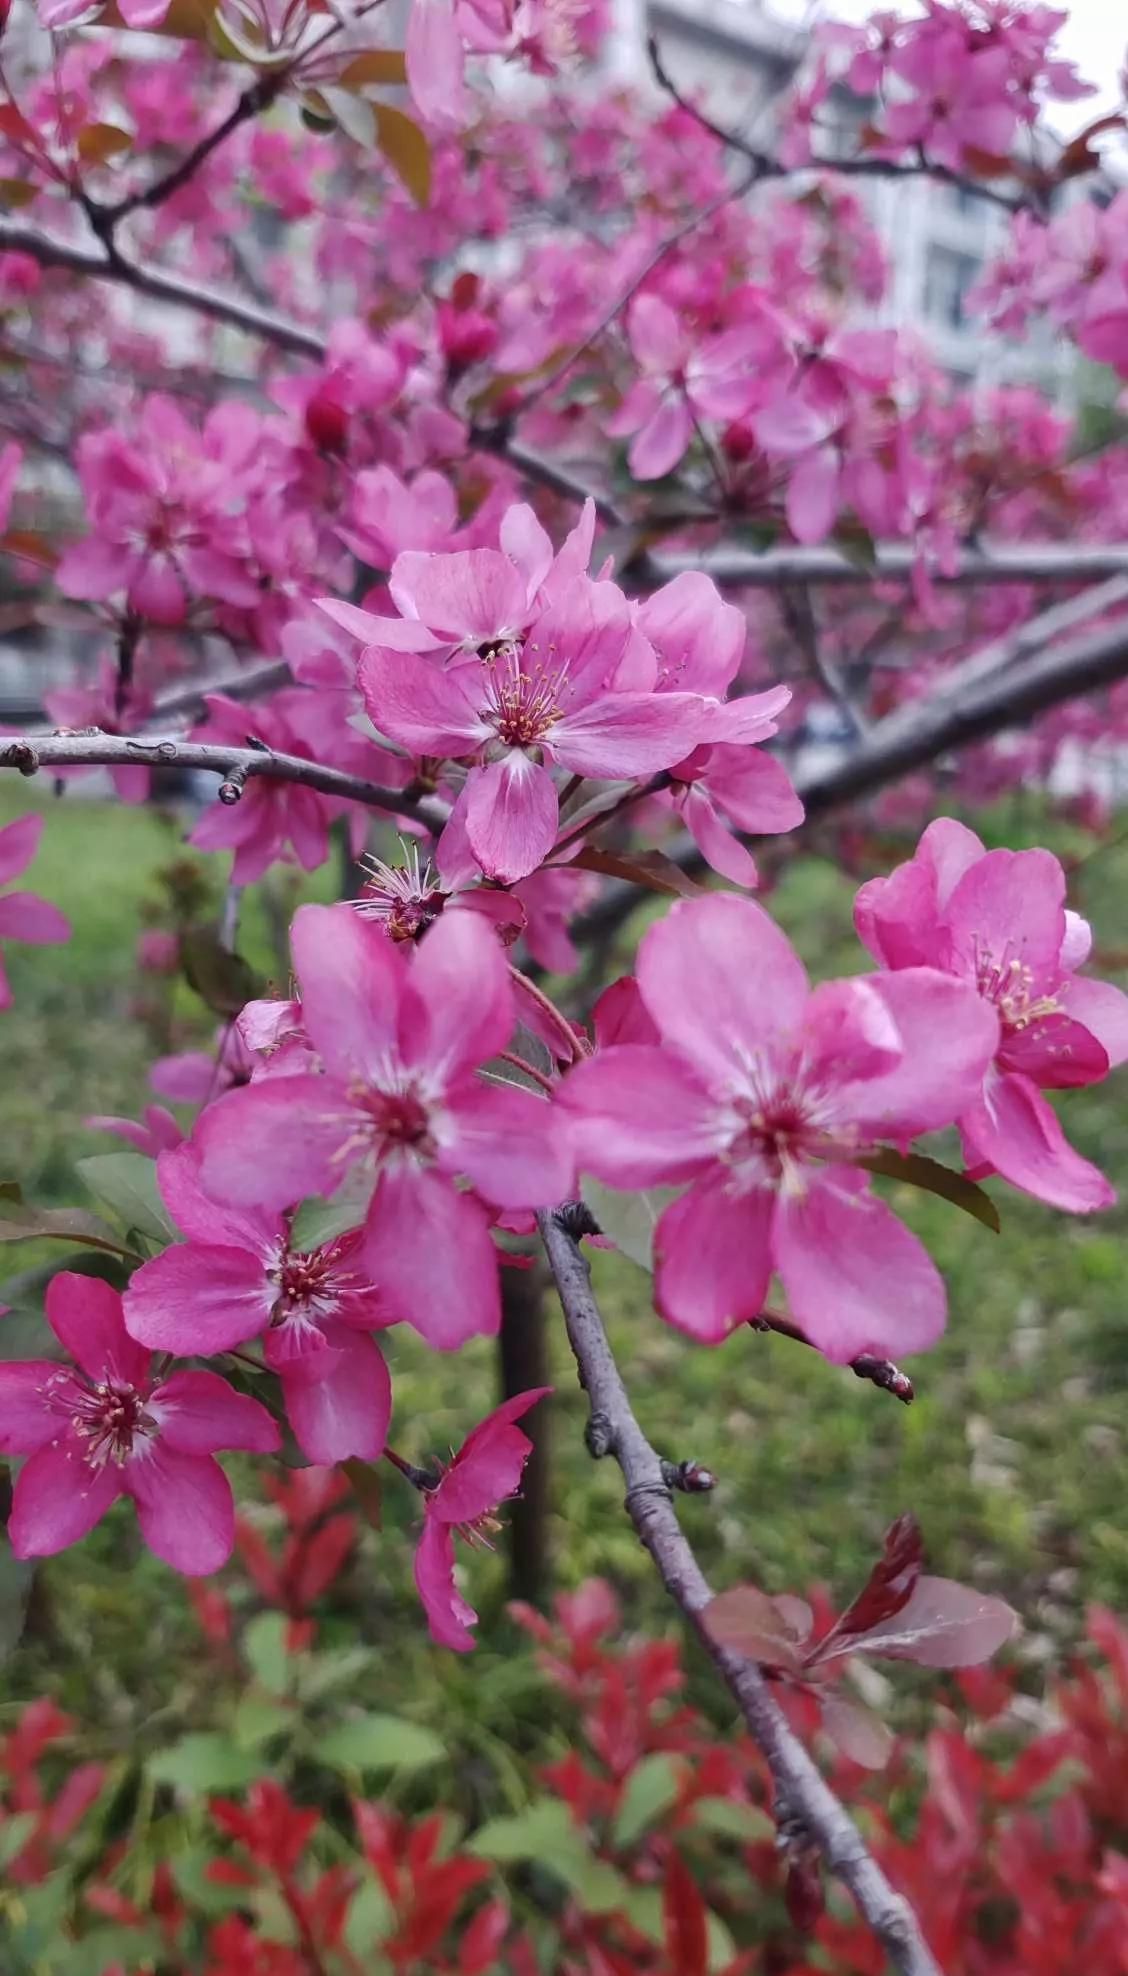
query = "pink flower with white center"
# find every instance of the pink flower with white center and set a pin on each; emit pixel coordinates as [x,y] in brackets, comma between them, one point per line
[238,1277]
[486,1471]
[717,787]
[472,601]
[763,1095]
[401,1041]
[101,1428]
[685,378]
[545,698]
[407,898]
[997,920]
[23,915]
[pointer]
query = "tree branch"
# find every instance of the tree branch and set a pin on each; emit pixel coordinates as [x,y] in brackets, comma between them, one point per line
[999,562]
[802,1797]
[235,767]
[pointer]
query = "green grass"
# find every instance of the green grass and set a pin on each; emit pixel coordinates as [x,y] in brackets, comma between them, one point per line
[1012,1456]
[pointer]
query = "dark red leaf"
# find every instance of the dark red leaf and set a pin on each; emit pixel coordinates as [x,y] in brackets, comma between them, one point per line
[859,1735]
[888,1587]
[752,1624]
[943,1624]
[687,1922]
[651,869]
[804,1894]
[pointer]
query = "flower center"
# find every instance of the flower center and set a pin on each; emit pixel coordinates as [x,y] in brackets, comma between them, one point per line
[521,705]
[777,1128]
[399,1121]
[1008,984]
[108,1417]
[404,898]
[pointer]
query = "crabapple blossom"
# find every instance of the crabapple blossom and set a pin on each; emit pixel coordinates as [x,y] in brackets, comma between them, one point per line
[106,1426]
[399,1102]
[24,916]
[998,920]
[765,1096]
[683,381]
[486,1470]
[238,1276]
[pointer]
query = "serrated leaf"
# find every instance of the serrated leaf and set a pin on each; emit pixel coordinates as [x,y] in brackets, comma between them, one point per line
[750,1623]
[99,141]
[406,149]
[628,1220]
[264,1650]
[127,1183]
[729,1819]
[205,1761]
[379,1742]
[944,1624]
[383,67]
[652,1787]
[222,980]
[653,870]
[917,1170]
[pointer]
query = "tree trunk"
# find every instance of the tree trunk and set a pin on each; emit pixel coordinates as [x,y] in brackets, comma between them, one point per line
[523,1363]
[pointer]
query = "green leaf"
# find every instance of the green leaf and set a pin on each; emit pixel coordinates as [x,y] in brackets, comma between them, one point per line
[206,1761]
[545,1834]
[127,1183]
[730,1820]
[379,1742]
[652,1787]
[225,981]
[370,1918]
[264,1650]
[16,1829]
[21,1221]
[322,1219]
[917,1170]
[628,1220]
[257,1719]
[406,149]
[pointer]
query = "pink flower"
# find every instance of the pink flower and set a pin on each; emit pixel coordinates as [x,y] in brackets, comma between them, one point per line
[486,1470]
[997,920]
[685,378]
[24,916]
[239,1277]
[716,787]
[544,694]
[762,1095]
[435,64]
[401,1041]
[101,1429]
[388,518]
[963,101]
[11,460]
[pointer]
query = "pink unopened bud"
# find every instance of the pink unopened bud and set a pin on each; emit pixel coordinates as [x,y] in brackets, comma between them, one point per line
[158,952]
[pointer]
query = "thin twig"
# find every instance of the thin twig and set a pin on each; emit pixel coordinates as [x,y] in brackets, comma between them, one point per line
[803,1800]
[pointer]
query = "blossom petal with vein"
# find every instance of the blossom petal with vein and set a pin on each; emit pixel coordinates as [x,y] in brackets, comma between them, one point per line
[486,1471]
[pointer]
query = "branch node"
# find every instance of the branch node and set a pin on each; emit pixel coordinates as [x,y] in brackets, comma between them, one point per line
[576,1219]
[20,755]
[688,1476]
[599,1435]
[232,786]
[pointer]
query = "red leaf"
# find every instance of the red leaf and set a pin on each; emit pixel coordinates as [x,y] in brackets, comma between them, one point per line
[804,1894]
[323,1558]
[888,1587]
[857,1733]
[943,1624]
[687,1922]
[752,1624]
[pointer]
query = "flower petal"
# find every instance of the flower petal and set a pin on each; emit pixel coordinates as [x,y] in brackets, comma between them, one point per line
[58,1499]
[638,1116]
[86,1316]
[199,1412]
[274,1143]
[449,1618]
[353,981]
[27,1422]
[1016,1131]
[196,1299]
[713,1258]
[430,1251]
[19,841]
[462,980]
[24,916]
[856,1279]
[346,1413]
[185,1508]
[720,979]
[513,1145]
[511,816]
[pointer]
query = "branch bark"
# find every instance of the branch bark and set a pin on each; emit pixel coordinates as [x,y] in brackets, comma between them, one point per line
[235,767]
[803,1800]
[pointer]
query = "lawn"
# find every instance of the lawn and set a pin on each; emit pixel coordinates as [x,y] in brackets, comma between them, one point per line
[1011,1456]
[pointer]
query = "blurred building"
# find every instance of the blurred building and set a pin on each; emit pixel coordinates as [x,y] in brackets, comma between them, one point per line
[737,61]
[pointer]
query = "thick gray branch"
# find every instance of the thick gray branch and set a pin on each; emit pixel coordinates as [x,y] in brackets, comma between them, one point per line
[999,562]
[803,1798]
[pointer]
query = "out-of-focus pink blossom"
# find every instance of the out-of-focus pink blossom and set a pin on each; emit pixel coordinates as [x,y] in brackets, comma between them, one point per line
[486,1470]
[23,915]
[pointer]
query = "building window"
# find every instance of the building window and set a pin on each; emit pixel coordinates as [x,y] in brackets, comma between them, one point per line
[948,277]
